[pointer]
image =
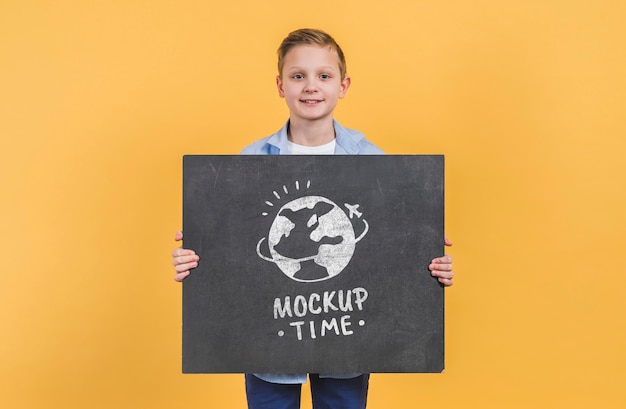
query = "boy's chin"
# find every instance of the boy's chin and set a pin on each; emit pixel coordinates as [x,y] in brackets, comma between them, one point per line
[312,114]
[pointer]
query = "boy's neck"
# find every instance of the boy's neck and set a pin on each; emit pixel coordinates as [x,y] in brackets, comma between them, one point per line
[311,133]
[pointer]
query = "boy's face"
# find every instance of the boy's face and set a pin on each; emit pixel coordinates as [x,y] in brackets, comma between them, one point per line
[311,82]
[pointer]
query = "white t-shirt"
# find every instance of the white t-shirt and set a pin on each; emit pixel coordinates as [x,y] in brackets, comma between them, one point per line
[326,149]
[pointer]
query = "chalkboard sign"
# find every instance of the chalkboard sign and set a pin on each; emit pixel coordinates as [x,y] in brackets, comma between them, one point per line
[313,264]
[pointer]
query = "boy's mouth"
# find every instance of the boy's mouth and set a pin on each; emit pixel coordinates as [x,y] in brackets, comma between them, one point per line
[310,101]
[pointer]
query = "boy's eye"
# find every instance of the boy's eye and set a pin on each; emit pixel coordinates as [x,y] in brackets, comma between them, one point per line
[297,76]
[325,76]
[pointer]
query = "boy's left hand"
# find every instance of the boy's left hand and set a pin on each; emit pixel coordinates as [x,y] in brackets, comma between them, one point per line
[442,267]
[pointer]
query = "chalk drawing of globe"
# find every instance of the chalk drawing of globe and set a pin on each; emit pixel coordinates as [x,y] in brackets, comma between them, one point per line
[311,239]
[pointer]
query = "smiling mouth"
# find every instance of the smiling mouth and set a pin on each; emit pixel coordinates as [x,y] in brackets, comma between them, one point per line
[310,101]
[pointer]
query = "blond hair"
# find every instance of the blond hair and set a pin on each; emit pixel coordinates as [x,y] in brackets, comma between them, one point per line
[310,36]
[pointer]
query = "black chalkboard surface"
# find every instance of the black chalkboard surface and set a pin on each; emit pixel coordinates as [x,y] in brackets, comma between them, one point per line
[313,264]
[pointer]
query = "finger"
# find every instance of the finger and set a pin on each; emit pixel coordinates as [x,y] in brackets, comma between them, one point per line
[440,267]
[179,236]
[447,242]
[179,252]
[181,276]
[444,278]
[449,275]
[181,268]
[442,260]
[184,259]
[446,282]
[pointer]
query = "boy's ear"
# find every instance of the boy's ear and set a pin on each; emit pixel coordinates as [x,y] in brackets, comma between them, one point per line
[279,85]
[345,84]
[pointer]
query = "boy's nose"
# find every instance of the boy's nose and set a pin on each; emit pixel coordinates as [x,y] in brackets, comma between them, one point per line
[310,87]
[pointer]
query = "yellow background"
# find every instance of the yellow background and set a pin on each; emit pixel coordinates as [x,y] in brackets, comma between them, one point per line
[100,99]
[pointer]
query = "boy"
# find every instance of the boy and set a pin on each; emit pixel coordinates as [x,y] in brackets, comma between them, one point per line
[311,78]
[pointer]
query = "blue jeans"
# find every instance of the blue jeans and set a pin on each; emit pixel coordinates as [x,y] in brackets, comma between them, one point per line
[327,393]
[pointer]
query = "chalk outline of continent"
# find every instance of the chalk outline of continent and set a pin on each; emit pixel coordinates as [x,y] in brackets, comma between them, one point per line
[313,199]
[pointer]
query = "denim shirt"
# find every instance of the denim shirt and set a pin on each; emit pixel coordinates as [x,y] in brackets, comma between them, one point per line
[348,142]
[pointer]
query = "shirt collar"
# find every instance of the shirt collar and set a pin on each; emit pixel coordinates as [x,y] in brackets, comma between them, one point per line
[347,140]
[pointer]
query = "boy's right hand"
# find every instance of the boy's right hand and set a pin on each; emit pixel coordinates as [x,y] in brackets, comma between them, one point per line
[183,260]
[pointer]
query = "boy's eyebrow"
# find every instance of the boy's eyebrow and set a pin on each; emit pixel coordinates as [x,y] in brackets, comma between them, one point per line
[298,68]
